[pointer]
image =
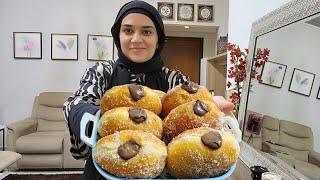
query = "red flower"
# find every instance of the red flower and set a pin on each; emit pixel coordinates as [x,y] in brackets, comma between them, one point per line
[237,71]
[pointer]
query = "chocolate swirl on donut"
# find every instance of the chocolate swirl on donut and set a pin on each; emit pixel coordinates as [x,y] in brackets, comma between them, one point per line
[137,115]
[136,91]
[190,87]
[212,140]
[200,108]
[129,149]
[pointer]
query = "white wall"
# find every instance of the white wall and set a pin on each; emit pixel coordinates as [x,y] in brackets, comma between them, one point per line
[296,46]
[243,13]
[22,80]
[241,16]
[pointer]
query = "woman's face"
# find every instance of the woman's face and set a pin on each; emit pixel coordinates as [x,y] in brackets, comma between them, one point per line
[138,37]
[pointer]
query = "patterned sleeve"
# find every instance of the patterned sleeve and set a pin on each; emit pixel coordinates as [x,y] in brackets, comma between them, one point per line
[93,84]
[174,77]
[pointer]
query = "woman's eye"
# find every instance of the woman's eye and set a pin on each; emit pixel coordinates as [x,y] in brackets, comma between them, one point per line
[147,32]
[127,30]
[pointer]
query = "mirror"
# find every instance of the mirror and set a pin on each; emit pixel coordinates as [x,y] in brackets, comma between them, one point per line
[281,114]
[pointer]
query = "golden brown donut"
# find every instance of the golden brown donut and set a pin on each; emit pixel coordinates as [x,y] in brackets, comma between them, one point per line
[130,95]
[202,152]
[159,93]
[129,118]
[131,154]
[191,115]
[183,93]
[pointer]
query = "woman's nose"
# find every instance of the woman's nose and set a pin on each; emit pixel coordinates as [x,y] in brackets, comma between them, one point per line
[136,37]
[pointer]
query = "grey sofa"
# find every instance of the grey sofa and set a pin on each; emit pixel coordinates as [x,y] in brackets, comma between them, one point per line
[43,139]
[290,141]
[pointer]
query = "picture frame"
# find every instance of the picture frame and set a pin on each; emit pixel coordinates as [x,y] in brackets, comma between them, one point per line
[100,47]
[205,13]
[27,45]
[301,82]
[185,12]
[318,95]
[64,46]
[166,10]
[273,73]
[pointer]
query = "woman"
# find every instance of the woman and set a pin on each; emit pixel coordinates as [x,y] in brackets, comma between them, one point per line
[139,35]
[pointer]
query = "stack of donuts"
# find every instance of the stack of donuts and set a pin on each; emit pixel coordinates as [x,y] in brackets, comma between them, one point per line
[189,139]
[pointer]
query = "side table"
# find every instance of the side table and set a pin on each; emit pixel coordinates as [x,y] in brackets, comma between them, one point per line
[2,127]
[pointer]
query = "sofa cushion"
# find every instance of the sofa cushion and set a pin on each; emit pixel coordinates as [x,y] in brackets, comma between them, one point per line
[45,125]
[50,119]
[297,154]
[270,123]
[286,158]
[41,161]
[309,170]
[295,142]
[295,129]
[270,135]
[40,142]
[53,99]
[295,136]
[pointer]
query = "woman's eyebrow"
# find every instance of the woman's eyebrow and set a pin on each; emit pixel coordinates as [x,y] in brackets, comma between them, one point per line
[144,27]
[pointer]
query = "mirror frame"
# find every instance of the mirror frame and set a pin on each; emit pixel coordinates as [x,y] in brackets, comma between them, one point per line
[289,13]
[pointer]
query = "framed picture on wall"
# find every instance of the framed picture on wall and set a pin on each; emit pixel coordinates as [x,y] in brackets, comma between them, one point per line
[166,10]
[273,73]
[64,46]
[205,13]
[27,45]
[185,12]
[301,82]
[99,47]
[318,95]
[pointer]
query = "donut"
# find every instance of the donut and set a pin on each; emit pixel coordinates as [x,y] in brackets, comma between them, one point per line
[130,95]
[191,115]
[202,152]
[129,118]
[159,93]
[131,154]
[183,93]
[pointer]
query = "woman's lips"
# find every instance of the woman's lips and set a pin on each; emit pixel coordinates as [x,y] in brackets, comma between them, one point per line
[136,48]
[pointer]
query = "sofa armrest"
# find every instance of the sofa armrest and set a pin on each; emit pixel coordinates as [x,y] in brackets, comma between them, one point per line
[266,148]
[18,129]
[314,158]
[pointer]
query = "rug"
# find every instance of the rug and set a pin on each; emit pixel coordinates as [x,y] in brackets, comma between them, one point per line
[43,177]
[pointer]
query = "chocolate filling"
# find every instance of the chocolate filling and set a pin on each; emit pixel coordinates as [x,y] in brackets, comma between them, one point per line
[136,91]
[137,114]
[212,140]
[190,87]
[129,149]
[200,108]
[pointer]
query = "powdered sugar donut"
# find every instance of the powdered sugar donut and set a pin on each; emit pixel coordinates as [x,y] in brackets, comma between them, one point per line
[131,154]
[202,152]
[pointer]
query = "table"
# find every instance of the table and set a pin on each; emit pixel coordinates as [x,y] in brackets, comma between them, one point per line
[242,171]
[2,127]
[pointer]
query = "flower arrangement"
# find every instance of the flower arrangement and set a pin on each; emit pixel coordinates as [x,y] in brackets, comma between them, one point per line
[237,70]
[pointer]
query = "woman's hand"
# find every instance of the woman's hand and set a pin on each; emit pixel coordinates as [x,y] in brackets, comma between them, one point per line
[223,104]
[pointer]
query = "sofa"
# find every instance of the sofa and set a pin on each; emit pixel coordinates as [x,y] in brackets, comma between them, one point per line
[43,139]
[292,142]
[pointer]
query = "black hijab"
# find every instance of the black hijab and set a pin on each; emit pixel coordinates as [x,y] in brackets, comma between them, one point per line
[148,73]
